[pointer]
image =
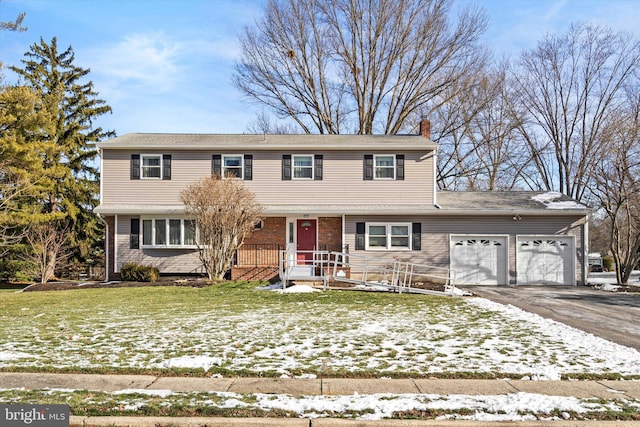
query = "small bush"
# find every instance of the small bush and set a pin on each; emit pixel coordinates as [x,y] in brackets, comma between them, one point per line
[16,271]
[607,263]
[132,272]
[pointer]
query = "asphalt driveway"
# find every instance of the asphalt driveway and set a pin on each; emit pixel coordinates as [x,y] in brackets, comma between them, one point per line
[609,315]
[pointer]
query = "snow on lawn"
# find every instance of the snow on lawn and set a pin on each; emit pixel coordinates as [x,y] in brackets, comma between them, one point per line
[607,281]
[303,336]
[506,407]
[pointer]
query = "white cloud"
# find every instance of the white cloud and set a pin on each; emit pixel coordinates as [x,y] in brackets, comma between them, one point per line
[149,61]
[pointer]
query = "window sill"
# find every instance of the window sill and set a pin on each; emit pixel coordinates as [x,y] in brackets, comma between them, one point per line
[185,247]
[404,248]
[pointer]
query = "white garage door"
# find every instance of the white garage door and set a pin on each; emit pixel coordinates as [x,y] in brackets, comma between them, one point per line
[479,260]
[546,260]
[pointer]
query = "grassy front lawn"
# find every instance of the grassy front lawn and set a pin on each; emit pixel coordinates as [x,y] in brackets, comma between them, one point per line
[235,329]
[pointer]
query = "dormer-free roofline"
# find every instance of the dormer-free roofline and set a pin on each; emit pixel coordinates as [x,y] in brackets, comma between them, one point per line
[183,141]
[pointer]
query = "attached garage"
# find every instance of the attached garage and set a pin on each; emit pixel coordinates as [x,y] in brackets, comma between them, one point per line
[546,260]
[479,260]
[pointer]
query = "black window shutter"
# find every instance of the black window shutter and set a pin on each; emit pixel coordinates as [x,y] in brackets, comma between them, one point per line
[216,165]
[134,237]
[317,170]
[367,173]
[135,166]
[416,233]
[360,230]
[248,167]
[286,167]
[166,166]
[400,167]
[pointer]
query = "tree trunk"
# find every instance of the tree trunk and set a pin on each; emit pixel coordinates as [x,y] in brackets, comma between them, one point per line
[49,267]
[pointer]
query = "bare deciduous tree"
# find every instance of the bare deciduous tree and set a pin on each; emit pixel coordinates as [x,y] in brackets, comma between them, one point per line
[265,125]
[225,212]
[571,85]
[479,145]
[617,187]
[49,243]
[363,66]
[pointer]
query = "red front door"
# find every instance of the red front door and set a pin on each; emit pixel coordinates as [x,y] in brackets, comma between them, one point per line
[306,240]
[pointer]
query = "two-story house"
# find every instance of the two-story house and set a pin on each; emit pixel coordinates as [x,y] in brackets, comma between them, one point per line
[372,195]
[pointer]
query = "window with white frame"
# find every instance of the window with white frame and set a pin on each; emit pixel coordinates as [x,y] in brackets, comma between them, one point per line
[384,166]
[388,236]
[302,166]
[232,164]
[168,232]
[151,166]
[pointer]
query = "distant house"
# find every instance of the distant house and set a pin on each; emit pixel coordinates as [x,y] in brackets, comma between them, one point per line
[372,195]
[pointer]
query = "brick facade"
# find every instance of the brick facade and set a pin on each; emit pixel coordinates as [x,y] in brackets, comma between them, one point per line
[273,231]
[330,233]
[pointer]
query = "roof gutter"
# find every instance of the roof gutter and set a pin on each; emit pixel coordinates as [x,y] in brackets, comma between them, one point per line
[272,210]
[386,146]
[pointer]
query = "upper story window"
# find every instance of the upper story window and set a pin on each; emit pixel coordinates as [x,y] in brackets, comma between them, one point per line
[383,167]
[239,166]
[151,166]
[302,166]
[232,165]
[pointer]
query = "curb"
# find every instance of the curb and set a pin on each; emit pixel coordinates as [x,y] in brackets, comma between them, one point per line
[324,422]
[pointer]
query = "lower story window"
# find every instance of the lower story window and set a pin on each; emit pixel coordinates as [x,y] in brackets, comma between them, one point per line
[388,236]
[168,232]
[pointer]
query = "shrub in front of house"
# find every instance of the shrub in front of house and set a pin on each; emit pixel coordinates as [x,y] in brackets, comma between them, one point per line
[132,272]
[607,263]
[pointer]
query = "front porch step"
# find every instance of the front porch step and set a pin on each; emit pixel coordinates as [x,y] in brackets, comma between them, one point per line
[301,271]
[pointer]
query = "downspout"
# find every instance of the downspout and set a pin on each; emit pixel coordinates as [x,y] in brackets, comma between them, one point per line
[585,249]
[344,218]
[435,178]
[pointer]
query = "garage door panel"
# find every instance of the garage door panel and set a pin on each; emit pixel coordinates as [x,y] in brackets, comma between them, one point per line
[479,259]
[545,260]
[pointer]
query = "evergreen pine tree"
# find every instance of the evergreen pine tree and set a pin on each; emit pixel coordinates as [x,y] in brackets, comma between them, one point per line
[73,187]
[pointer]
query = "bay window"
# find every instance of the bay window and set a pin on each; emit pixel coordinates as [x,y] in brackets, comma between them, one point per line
[168,232]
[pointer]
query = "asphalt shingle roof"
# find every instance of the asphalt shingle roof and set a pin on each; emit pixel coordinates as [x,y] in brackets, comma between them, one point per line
[507,200]
[256,142]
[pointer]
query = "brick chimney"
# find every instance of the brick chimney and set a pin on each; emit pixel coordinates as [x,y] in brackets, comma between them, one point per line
[425,128]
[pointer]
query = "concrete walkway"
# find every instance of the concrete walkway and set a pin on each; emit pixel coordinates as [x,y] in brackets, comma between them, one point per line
[326,386]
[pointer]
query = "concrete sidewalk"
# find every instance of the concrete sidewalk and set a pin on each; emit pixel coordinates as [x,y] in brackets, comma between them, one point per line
[603,389]
[326,386]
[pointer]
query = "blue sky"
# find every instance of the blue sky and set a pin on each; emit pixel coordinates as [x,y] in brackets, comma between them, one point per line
[165,66]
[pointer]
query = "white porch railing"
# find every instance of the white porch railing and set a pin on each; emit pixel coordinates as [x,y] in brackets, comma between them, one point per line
[391,274]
